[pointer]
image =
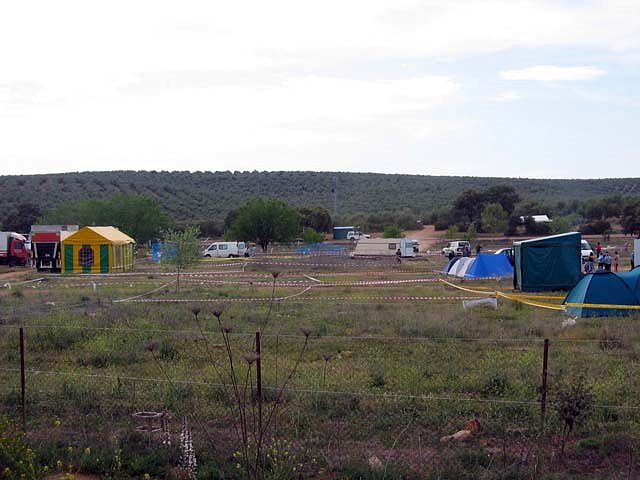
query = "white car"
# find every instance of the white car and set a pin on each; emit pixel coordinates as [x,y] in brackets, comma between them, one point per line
[356,235]
[585,250]
[457,247]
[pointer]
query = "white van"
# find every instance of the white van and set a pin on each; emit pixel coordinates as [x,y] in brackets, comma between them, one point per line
[225,249]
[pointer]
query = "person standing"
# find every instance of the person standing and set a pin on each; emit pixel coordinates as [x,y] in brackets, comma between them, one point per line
[399,255]
[632,260]
[588,266]
[598,249]
[601,261]
[616,261]
[607,261]
[478,249]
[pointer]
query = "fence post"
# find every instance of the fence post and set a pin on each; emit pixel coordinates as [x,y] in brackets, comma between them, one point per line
[259,380]
[22,382]
[543,407]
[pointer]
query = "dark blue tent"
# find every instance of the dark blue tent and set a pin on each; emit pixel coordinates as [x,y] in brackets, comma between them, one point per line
[605,288]
[448,266]
[548,263]
[488,265]
[321,249]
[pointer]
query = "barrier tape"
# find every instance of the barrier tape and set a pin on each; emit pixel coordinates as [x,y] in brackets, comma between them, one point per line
[321,299]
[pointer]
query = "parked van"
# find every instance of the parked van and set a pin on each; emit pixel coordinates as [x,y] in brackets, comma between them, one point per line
[225,249]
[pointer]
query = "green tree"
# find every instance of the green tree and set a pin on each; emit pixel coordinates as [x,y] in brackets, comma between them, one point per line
[181,250]
[472,233]
[392,231]
[495,219]
[505,195]
[309,235]
[140,216]
[452,232]
[266,220]
[469,205]
[316,217]
[25,215]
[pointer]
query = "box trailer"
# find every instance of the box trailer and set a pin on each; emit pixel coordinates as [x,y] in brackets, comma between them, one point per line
[384,247]
[46,243]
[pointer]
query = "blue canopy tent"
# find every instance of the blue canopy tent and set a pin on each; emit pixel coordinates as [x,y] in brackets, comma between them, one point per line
[605,288]
[487,265]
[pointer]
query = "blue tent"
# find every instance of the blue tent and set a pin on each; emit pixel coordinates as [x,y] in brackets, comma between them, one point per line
[605,288]
[488,265]
[548,263]
[448,266]
[160,250]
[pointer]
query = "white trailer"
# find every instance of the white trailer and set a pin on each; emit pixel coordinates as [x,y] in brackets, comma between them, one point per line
[384,247]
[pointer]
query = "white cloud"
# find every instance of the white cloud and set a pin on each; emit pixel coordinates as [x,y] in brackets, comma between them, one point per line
[509,96]
[553,73]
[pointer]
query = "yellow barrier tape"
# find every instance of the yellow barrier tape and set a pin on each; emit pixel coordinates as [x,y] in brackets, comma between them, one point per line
[515,298]
[480,292]
[603,306]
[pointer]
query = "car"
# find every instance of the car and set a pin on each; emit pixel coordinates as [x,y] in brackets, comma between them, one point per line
[356,235]
[457,247]
[585,250]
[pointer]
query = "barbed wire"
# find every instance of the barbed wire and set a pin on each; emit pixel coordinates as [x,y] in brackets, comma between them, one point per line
[317,335]
[310,391]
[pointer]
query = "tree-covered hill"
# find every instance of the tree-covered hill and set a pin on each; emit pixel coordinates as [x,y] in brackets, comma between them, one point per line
[200,196]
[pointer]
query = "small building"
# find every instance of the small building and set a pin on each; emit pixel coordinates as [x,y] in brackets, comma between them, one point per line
[340,233]
[379,247]
[548,263]
[97,250]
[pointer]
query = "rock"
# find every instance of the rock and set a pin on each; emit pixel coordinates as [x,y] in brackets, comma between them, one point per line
[374,462]
[460,436]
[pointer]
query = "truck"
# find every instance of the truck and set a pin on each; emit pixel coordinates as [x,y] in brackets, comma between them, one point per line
[46,241]
[13,249]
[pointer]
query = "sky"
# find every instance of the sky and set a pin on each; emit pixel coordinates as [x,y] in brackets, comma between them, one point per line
[543,89]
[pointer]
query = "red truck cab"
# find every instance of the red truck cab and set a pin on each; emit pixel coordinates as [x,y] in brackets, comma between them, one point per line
[13,249]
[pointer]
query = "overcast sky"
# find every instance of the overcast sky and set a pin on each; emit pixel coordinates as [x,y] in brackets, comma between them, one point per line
[493,88]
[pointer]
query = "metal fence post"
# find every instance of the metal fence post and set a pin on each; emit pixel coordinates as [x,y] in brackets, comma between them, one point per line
[543,408]
[22,382]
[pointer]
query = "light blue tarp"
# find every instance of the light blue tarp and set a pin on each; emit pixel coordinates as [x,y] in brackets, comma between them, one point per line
[487,265]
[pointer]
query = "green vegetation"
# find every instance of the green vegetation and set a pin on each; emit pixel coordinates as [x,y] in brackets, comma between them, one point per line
[264,221]
[181,250]
[201,197]
[392,231]
[381,373]
[139,216]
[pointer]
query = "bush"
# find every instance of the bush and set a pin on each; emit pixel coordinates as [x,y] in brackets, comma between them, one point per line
[309,235]
[392,231]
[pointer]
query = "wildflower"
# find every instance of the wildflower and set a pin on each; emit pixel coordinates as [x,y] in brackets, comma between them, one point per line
[151,346]
[57,423]
[147,476]
[59,464]
[87,451]
[227,328]
[69,449]
[217,311]
[306,331]
[251,358]
[275,274]
[195,311]
[327,356]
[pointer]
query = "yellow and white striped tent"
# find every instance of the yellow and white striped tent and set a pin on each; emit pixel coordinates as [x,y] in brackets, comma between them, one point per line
[97,250]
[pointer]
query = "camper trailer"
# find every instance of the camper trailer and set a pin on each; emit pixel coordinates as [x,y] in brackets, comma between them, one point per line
[384,247]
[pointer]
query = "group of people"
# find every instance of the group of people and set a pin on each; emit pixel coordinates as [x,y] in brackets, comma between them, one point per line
[604,262]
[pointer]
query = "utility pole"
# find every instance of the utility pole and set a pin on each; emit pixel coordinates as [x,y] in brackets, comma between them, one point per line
[334,190]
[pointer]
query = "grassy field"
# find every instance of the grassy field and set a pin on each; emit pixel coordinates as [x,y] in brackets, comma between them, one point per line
[366,364]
